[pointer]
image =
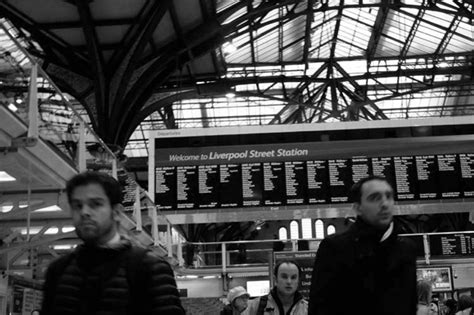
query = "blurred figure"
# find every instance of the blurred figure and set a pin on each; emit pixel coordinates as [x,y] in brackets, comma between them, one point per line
[423,291]
[372,268]
[451,306]
[464,305]
[434,309]
[106,274]
[238,299]
[284,298]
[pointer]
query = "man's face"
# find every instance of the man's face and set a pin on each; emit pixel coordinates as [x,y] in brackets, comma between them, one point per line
[92,214]
[376,203]
[287,279]
[241,303]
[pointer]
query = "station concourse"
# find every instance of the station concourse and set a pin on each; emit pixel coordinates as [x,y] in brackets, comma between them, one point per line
[236,129]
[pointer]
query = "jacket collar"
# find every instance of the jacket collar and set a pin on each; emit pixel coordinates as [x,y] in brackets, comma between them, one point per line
[367,231]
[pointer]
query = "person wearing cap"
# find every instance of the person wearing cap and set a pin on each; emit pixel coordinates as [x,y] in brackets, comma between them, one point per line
[238,299]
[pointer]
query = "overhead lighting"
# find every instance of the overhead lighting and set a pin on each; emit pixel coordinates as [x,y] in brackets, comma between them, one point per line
[67,228]
[5,177]
[12,107]
[49,209]
[52,230]
[228,48]
[230,95]
[6,207]
[63,247]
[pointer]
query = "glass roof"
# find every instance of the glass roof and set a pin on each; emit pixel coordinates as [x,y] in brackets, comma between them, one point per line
[401,62]
[291,62]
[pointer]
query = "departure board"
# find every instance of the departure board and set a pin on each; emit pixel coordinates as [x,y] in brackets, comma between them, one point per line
[383,167]
[427,176]
[274,184]
[449,175]
[405,177]
[208,186]
[318,181]
[230,185]
[295,182]
[466,164]
[457,244]
[186,187]
[279,182]
[165,187]
[252,184]
[361,168]
[340,180]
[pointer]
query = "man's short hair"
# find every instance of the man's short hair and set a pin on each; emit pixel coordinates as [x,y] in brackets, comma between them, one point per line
[111,186]
[286,261]
[355,194]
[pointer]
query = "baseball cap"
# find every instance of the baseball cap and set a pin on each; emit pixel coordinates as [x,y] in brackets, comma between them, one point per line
[235,293]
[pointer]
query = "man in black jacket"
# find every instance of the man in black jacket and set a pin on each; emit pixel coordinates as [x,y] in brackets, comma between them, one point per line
[106,274]
[367,269]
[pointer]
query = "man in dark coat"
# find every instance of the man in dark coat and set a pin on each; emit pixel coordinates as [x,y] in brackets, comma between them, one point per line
[367,269]
[106,274]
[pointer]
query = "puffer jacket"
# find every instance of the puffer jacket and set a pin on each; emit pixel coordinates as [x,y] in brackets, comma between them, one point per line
[94,280]
[274,306]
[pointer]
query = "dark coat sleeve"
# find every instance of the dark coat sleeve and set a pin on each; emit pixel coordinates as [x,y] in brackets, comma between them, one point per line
[46,305]
[53,273]
[323,280]
[161,286]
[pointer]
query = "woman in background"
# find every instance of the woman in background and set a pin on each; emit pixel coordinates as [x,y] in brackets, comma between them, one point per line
[423,290]
[238,299]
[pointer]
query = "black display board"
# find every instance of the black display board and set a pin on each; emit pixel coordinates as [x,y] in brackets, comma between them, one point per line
[274,191]
[405,178]
[300,182]
[449,173]
[458,244]
[305,259]
[340,179]
[318,181]
[208,186]
[165,187]
[186,187]
[252,184]
[466,164]
[295,182]
[230,185]
[427,176]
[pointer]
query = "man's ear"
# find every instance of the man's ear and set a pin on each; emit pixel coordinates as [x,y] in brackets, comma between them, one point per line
[116,210]
[356,208]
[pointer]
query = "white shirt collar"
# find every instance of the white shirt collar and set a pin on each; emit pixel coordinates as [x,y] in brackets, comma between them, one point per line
[387,233]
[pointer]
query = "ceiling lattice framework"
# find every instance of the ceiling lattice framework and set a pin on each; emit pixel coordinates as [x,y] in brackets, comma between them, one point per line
[142,65]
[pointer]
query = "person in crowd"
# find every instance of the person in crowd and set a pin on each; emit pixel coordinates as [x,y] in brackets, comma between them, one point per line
[465,303]
[369,265]
[238,299]
[434,308]
[424,292]
[451,306]
[106,274]
[284,298]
